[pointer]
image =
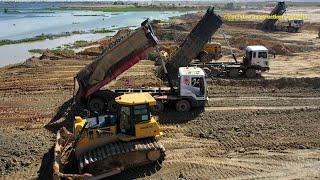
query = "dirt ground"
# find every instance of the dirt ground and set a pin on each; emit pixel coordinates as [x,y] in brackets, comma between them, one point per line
[259,128]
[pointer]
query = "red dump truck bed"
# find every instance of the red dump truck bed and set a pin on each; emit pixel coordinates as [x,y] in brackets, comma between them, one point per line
[111,63]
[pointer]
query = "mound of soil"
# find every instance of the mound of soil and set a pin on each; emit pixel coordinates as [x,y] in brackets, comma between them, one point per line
[278,83]
[272,44]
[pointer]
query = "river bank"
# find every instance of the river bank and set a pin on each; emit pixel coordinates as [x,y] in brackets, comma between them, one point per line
[31,30]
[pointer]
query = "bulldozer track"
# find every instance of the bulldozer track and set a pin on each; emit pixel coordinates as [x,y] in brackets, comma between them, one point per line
[116,148]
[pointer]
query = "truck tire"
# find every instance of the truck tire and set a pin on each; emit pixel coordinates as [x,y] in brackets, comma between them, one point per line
[183,106]
[204,57]
[207,71]
[113,106]
[96,105]
[158,108]
[234,73]
[251,73]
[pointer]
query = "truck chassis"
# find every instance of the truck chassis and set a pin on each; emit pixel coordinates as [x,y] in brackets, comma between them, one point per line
[102,100]
[231,69]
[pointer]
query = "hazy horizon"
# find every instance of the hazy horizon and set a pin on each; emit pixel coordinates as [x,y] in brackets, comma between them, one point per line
[212,1]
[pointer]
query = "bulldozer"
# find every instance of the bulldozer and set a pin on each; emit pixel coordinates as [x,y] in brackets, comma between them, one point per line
[211,50]
[105,145]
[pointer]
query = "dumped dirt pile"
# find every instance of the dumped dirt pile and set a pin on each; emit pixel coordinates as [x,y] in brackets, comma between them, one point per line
[311,26]
[272,44]
[242,24]
[277,83]
[106,44]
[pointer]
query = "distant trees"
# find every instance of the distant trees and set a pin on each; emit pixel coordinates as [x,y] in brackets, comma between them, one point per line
[118,3]
[229,6]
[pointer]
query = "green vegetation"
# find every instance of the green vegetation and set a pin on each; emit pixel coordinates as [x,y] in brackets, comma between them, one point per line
[36,38]
[65,51]
[131,8]
[39,51]
[81,43]
[102,30]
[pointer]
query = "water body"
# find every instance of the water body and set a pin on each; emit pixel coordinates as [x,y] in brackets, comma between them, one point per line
[15,53]
[25,20]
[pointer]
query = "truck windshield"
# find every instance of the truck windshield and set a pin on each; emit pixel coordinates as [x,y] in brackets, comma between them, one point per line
[262,55]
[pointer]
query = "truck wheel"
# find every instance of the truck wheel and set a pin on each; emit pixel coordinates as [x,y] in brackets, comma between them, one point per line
[251,73]
[234,73]
[96,104]
[204,57]
[113,106]
[183,106]
[158,108]
[207,72]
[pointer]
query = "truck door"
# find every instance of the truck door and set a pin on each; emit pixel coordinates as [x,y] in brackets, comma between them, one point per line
[248,58]
[198,86]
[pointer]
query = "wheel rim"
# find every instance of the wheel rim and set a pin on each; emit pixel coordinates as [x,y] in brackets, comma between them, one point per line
[183,106]
[159,107]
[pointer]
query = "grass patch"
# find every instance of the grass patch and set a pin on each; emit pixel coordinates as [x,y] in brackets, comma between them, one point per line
[39,51]
[41,37]
[64,51]
[81,43]
[102,30]
[36,38]
[130,8]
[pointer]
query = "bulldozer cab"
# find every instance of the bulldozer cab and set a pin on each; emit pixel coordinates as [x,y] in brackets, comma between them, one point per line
[130,115]
[135,116]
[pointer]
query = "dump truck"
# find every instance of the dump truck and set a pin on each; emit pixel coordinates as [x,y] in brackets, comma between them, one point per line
[255,60]
[129,51]
[269,24]
[106,145]
[193,43]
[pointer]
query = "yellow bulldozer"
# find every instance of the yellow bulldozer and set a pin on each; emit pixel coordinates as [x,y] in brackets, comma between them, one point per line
[105,145]
[210,51]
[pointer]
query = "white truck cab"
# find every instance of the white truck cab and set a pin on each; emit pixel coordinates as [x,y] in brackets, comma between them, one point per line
[192,83]
[257,57]
[298,23]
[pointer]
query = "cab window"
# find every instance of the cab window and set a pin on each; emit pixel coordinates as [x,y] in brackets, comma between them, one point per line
[141,113]
[262,55]
[254,55]
[125,124]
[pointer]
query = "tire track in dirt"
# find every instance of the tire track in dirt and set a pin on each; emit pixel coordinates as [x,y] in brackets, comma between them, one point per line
[259,108]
